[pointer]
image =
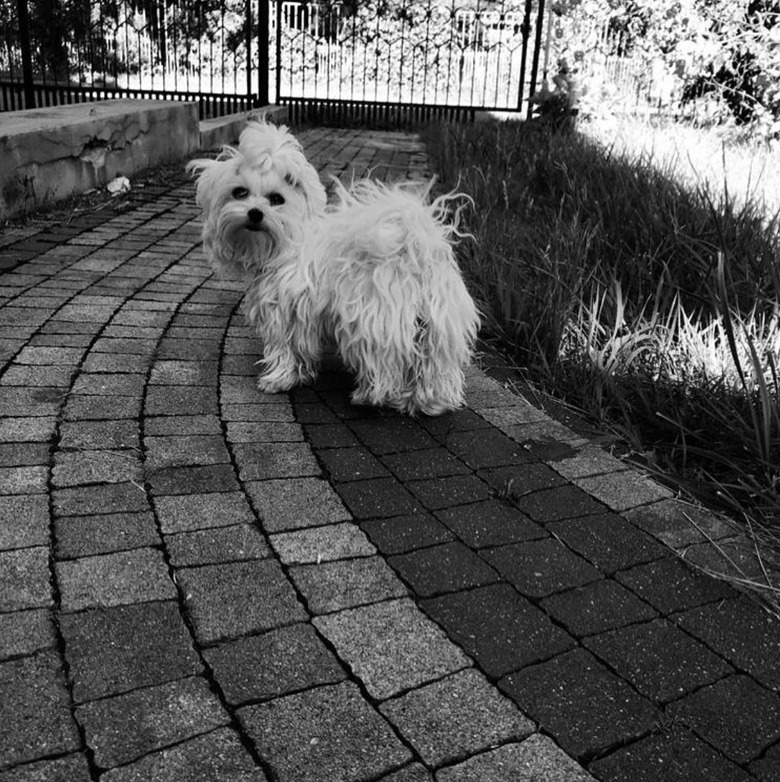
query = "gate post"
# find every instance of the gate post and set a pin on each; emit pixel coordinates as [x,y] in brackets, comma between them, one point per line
[535,61]
[27,69]
[263,53]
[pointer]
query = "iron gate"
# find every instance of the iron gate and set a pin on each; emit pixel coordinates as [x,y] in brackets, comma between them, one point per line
[425,56]
[366,57]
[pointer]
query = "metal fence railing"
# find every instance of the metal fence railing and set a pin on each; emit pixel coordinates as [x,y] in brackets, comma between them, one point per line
[232,55]
[76,50]
[467,54]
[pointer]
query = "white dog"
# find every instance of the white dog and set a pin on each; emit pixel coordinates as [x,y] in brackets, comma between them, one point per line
[375,273]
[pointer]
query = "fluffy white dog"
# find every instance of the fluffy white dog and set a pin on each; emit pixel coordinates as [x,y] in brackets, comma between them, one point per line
[375,273]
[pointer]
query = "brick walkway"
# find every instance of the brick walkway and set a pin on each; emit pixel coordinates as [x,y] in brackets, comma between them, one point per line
[198,582]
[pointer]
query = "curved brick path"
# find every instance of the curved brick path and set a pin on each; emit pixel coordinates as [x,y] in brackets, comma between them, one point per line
[199,582]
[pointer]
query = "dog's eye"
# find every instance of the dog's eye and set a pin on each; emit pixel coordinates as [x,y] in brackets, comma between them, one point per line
[240,193]
[276,199]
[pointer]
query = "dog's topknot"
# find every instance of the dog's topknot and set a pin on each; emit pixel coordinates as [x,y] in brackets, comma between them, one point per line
[265,145]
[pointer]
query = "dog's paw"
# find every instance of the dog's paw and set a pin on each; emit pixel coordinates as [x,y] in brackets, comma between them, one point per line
[275,385]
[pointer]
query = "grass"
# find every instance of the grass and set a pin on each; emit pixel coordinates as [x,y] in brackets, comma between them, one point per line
[639,282]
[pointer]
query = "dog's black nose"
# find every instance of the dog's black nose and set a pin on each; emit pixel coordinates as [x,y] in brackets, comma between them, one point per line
[255,215]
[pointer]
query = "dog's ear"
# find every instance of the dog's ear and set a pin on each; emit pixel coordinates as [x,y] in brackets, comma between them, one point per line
[206,170]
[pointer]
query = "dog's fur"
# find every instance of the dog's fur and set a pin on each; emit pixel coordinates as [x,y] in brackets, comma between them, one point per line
[375,273]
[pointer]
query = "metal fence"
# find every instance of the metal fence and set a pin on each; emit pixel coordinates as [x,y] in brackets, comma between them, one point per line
[429,54]
[75,50]
[232,55]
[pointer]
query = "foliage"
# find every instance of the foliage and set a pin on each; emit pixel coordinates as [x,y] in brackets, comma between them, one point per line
[723,48]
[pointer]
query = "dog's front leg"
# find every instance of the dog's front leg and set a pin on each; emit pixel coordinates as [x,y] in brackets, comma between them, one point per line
[290,358]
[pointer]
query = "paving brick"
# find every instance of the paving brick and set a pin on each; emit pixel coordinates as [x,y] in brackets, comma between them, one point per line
[736,715]
[263,432]
[660,660]
[35,710]
[321,544]
[271,409]
[25,632]
[189,373]
[172,400]
[218,756]
[233,599]
[296,503]
[328,733]
[669,585]
[678,525]
[182,450]
[540,567]
[24,480]
[14,429]
[83,536]
[459,715]
[126,727]
[608,541]
[405,533]
[330,436]
[562,502]
[425,464]
[332,586]
[595,607]
[108,384]
[483,448]
[537,759]
[392,435]
[377,498]
[189,512]
[351,464]
[106,362]
[463,420]
[490,522]
[730,559]
[499,629]
[100,435]
[315,413]
[71,768]
[24,579]
[24,521]
[261,667]
[742,632]
[23,454]
[275,460]
[217,544]
[101,408]
[107,498]
[516,481]
[30,402]
[623,490]
[581,703]
[193,479]
[391,646]
[121,578]
[677,756]
[589,461]
[166,425]
[438,493]
[413,773]
[73,468]
[767,768]
[114,650]
[445,568]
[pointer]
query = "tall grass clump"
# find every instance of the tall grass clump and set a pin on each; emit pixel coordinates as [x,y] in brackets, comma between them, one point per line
[649,302]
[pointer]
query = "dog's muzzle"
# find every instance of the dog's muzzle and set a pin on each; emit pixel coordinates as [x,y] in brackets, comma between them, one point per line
[254,220]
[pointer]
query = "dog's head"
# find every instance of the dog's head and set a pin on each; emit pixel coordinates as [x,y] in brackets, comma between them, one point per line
[256,198]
